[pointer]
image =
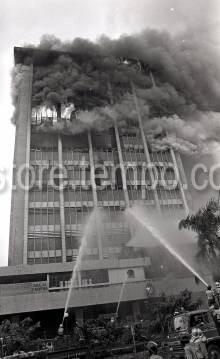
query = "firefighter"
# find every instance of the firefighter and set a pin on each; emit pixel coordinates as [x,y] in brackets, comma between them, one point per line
[210,296]
[198,343]
[202,337]
[60,331]
[189,349]
[217,291]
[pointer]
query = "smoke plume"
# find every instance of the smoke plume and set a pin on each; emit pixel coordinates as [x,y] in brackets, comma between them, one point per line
[176,79]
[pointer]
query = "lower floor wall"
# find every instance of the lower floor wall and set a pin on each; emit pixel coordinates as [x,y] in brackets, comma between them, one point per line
[128,311]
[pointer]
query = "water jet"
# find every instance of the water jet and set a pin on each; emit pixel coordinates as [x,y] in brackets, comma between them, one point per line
[140,217]
[84,241]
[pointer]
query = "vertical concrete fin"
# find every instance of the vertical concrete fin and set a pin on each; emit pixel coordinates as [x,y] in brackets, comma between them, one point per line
[120,157]
[94,191]
[19,203]
[176,166]
[146,151]
[62,215]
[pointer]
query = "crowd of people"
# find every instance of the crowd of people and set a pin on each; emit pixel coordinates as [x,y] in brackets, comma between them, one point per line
[194,346]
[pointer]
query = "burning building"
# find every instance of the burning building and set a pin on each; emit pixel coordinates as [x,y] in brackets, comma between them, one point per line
[82,118]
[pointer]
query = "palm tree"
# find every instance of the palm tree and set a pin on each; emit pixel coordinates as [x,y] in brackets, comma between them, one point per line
[206,223]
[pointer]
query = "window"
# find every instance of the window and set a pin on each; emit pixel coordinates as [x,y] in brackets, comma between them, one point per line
[118,175]
[59,279]
[58,244]
[38,245]
[31,218]
[130,273]
[37,217]
[44,244]
[72,242]
[51,243]
[31,245]
[199,319]
[180,322]
[95,276]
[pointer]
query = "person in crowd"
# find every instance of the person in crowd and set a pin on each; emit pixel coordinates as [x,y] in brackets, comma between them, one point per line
[189,349]
[153,350]
[217,292]
[210,296]
[60,331]
[215,310]
[201,335]
[198,343]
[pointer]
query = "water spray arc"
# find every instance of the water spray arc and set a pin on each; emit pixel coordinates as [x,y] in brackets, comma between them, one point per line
[120,297]
[139,217]
[87,232]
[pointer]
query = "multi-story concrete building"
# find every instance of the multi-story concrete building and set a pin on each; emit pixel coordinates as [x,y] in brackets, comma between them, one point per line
[47,218]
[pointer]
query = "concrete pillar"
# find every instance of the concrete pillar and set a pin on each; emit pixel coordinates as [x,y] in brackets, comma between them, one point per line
[121,163]
[19,202]
[26,196]
[62,215]
[178,177]
[120,157]
[146,151]
[184,180]
[94,191]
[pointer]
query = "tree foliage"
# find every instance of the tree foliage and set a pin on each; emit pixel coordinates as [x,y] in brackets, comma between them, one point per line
[206,223]
[18,336]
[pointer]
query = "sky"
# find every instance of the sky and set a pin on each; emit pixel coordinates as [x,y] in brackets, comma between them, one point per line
[25,21]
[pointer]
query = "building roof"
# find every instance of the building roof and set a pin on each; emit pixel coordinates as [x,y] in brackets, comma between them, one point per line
[27,55]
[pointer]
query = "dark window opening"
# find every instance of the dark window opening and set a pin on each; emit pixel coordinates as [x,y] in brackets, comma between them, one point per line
[130,273]
[95,276]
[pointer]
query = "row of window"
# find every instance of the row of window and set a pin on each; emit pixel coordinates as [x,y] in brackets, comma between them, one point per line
[78,194]
[44,260]
[77,173]
[104,140]
[76,155]
[75,215]
[133,156]
[47,195]
[52,195]
[108,155]
[140,194]
[52,240]
[44,154]
[57,280]
[168,194]
[162,156]
[50,216]
[131,140]
[51,154]
[110,195]
[45,244]
[44,216]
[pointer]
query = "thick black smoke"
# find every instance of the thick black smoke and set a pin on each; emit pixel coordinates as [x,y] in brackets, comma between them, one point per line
[177,81]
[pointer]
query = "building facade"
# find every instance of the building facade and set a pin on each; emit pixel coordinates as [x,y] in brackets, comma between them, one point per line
[59,179]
